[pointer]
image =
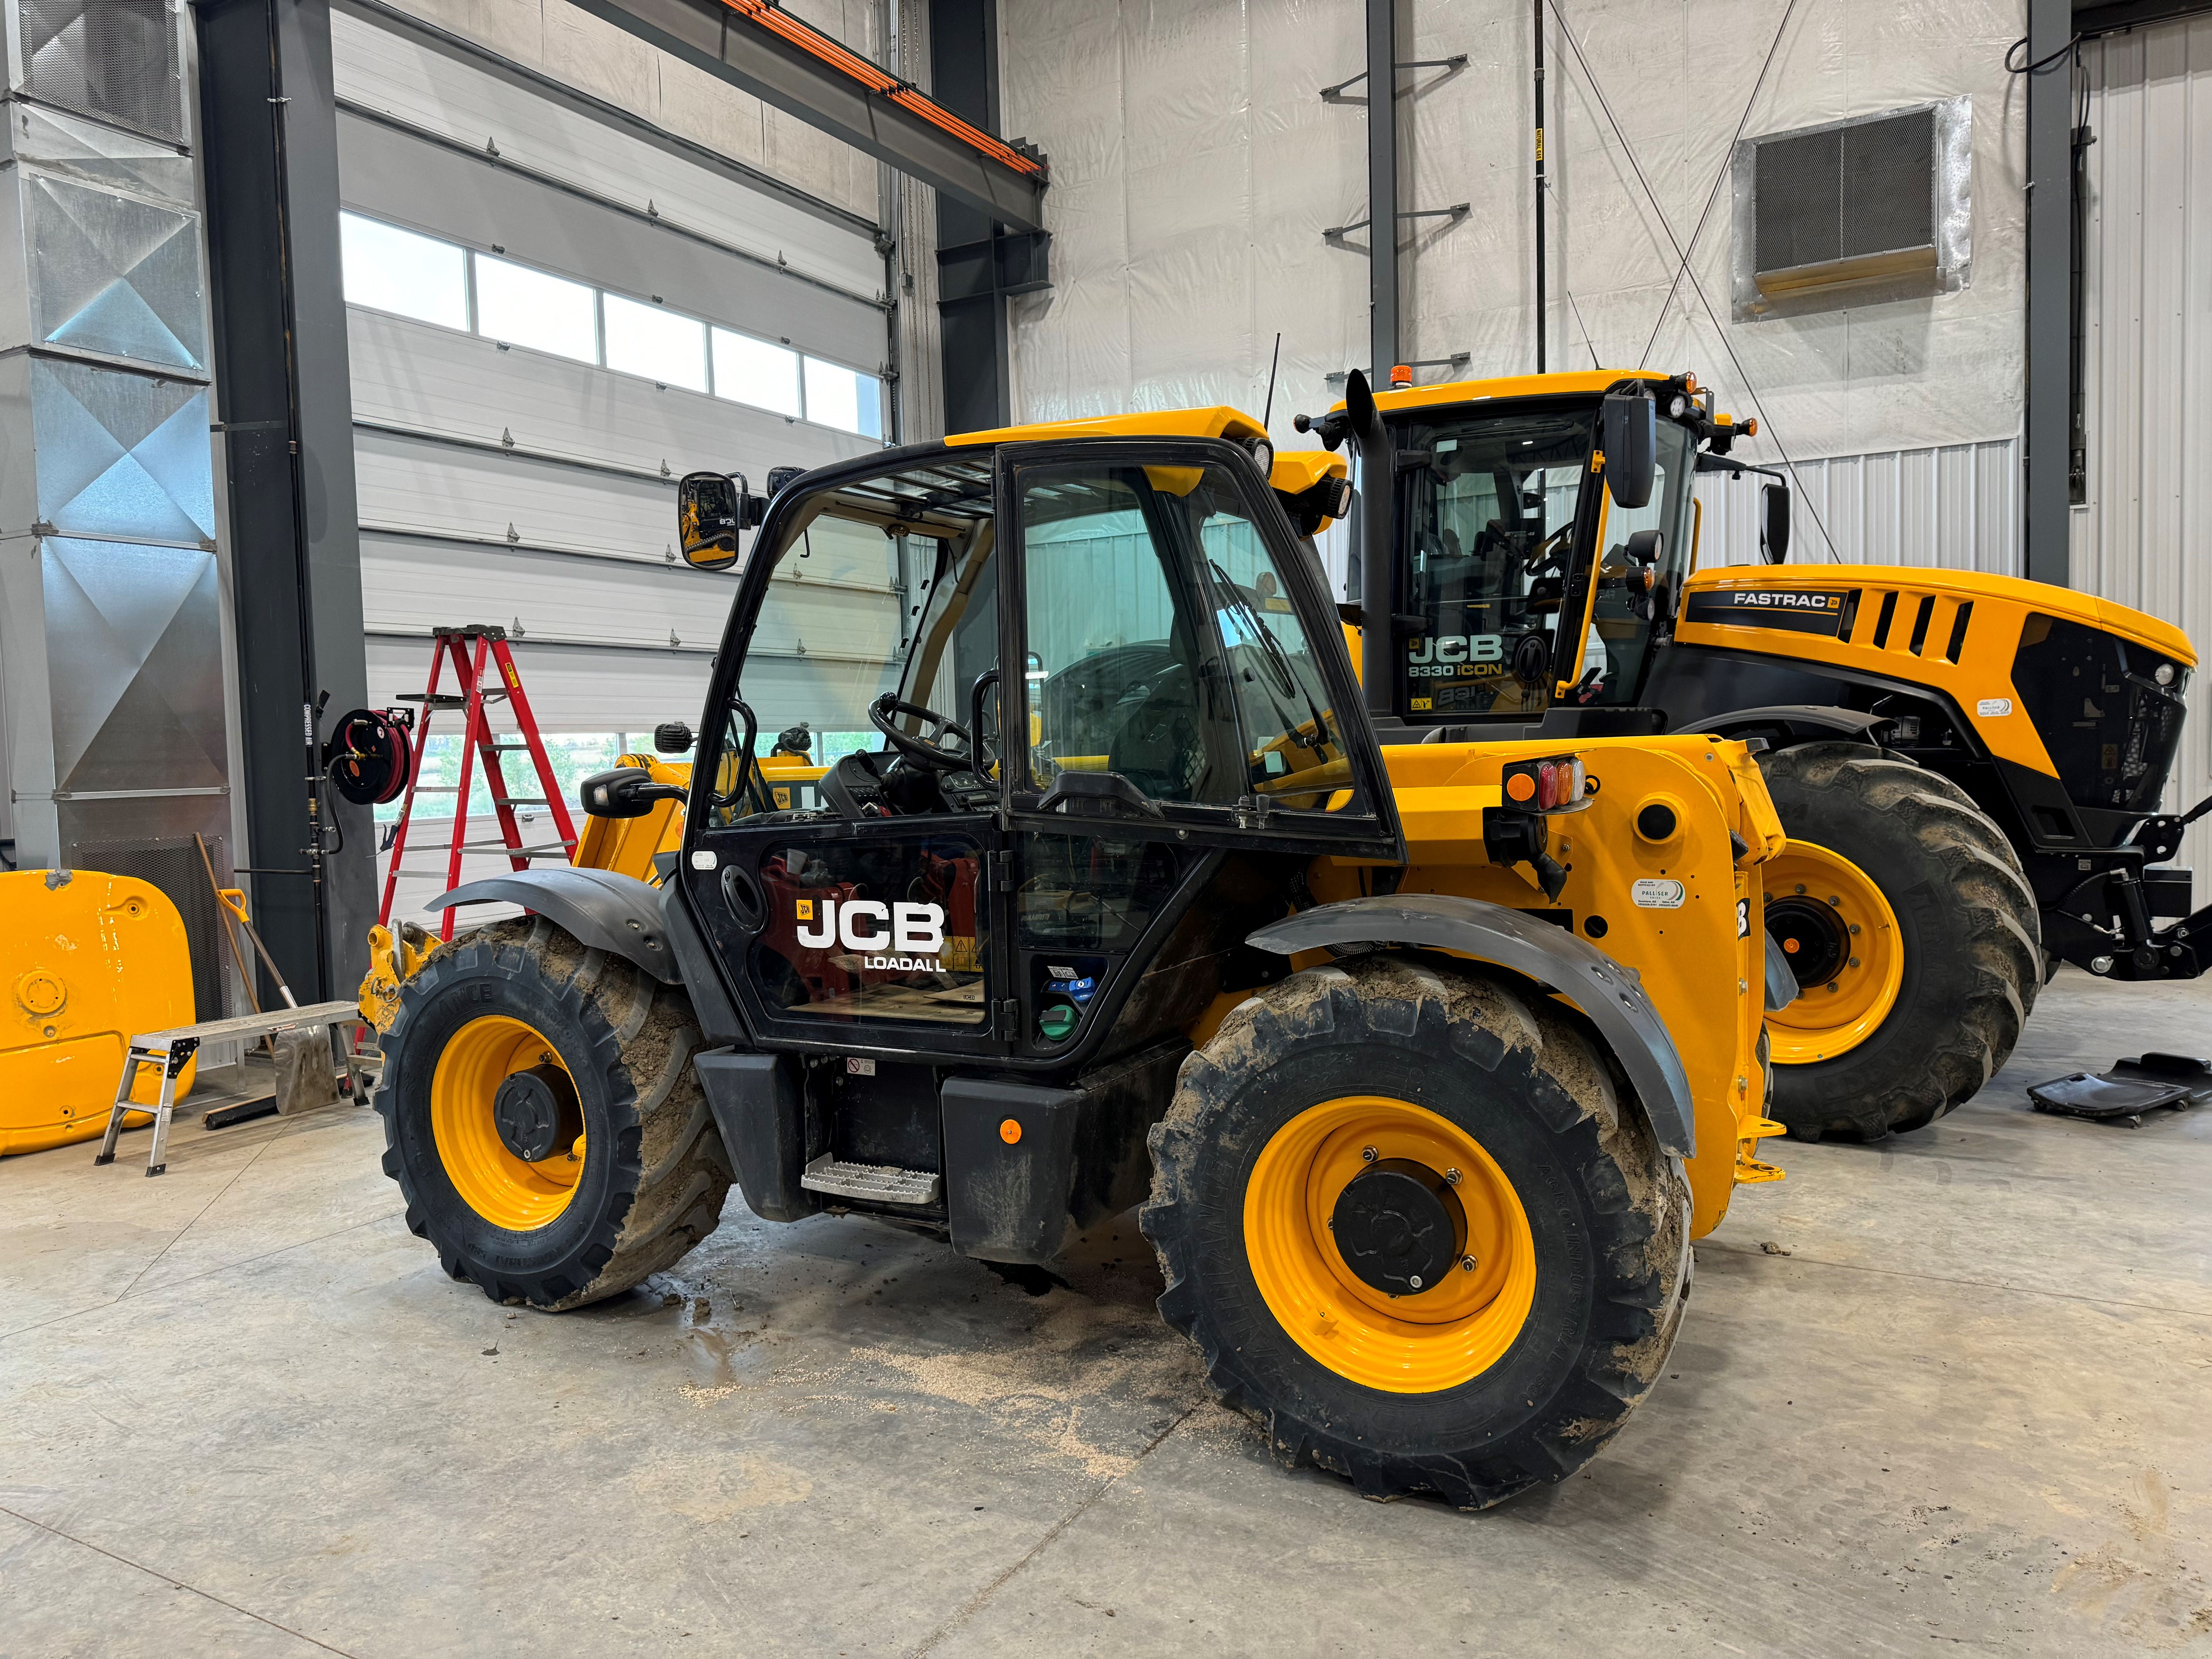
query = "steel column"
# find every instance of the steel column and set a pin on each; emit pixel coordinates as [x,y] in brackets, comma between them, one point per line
[2050,281]
[269,136]
[1382,190]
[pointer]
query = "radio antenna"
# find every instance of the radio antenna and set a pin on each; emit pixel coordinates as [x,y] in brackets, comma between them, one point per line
[1273,363]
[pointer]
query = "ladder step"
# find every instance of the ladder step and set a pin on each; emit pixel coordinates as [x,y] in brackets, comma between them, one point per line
[507,748]
[882,1183]
[541,850]
[521,800]
[437,789]
[433,699]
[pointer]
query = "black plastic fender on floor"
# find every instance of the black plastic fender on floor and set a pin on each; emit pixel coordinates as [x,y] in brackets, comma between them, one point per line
[608,911]
[1609,994]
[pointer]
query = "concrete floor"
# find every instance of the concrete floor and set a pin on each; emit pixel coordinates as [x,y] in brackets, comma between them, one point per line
[242,1412]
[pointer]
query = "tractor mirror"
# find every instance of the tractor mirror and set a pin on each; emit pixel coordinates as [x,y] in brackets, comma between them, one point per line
[1774,529]
[1630,437]
[708,507]
[627,791]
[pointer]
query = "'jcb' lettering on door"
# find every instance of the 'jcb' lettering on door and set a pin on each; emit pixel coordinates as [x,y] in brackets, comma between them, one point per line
[1454,656]
[909,936]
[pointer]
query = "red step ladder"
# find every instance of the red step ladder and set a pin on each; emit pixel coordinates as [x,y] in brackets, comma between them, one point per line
[479,740]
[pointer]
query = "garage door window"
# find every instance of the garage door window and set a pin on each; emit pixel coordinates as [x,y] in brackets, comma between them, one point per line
[749,371]
[388,269]
[844,397]
[525,308]
[660,345]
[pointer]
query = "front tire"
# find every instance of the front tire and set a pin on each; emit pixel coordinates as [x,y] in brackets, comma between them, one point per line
[1915,937]
[619,1172]
[1563,1289]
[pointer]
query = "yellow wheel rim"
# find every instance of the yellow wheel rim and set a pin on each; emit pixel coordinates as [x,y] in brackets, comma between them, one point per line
[1413,1344]
[490,1180]
[1841,937]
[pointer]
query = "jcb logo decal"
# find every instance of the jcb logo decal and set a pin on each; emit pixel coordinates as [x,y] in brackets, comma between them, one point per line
[1450,656]
[914,931]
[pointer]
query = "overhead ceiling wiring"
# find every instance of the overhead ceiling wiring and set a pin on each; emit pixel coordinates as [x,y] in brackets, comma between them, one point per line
[1765,423]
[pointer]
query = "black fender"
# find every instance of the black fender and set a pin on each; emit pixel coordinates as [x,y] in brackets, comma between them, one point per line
[617,913]
[1607,991]
[1803,721]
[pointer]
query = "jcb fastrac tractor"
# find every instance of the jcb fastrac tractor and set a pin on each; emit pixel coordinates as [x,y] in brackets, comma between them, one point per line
[1078,878]
[1969,767]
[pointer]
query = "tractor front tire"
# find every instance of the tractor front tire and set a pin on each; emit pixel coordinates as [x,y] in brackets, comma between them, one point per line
[602,1168]
[1520,1160]
[1915,936]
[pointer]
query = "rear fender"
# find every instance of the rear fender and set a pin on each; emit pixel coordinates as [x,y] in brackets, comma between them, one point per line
[617,913]
[1607,993]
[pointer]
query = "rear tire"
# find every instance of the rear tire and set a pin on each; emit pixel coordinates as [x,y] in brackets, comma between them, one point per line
[1529,1385]
[653,1174]
[1968,930]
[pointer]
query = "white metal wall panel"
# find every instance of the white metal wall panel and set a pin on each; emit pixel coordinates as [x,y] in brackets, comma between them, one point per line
[425,88]
[2142,537]
[419,376]
[1954,507]
[570,689]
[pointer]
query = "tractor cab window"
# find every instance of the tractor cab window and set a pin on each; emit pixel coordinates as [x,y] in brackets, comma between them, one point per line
[880,619]
[1161,644]
[1638,581]
[1488,507]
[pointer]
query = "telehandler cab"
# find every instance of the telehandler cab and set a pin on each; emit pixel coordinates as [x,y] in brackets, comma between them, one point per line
[1080,880]
[1969,765]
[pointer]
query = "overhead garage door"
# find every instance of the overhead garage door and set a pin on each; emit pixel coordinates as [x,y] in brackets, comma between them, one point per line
[551,320]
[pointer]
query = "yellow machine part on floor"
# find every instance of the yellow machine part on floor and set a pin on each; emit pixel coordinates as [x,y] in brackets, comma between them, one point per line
[86,962]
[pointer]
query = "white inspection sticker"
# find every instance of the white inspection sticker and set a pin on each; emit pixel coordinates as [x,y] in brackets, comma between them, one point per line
[1653,894]
[702,860]
[1990,707]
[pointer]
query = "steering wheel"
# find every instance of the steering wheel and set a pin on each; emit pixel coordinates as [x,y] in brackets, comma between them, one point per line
[931,750]
[1547,553]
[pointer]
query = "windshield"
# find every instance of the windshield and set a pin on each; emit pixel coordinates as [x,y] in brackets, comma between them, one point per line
[1486,511]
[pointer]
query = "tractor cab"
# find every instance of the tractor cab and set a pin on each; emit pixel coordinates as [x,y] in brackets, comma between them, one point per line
[1542,529]
[1060,689]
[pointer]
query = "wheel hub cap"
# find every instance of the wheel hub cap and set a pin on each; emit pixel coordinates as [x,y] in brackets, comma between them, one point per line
[1399,1227]
[1812,937]
[535,1112]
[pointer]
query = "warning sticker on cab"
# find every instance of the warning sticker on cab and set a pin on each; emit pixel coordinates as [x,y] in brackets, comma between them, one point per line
[1653,893]
[1800,610]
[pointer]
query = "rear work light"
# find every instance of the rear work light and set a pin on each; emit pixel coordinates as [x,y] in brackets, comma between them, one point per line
[1554,785]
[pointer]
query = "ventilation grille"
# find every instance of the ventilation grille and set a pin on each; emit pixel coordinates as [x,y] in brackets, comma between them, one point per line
[115,60]
[1879,204]
[173,866]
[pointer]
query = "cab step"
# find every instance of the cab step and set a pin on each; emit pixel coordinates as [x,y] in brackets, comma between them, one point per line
[872,1184]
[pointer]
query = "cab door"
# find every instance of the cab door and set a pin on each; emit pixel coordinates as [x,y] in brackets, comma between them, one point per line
[867,922]
[1183,698]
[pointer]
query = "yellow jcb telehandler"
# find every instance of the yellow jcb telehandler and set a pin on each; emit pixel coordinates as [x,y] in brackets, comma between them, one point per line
[1091,886]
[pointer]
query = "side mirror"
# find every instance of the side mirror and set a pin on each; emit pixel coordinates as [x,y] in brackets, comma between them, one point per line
[627,791]
[1629,435]
[708,507]
[1646,548]
[1774,528]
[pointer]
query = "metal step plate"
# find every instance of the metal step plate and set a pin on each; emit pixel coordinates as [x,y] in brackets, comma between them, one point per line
[873,1183]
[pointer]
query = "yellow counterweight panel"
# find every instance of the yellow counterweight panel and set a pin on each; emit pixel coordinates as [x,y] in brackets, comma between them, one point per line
[86,962]
[1679,910]
[1922,605]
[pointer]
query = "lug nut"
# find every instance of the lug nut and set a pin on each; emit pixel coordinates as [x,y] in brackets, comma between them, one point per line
[1800,886]
[1467,1264]
[1452,1176]
[1367,1152]
[1855,961]
[1414,1280]
[1855,930]
[1835,901]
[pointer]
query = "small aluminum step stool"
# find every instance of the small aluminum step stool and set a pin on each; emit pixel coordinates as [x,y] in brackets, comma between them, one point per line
[171,1049]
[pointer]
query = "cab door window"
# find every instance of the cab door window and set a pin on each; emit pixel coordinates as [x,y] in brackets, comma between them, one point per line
[1634,599]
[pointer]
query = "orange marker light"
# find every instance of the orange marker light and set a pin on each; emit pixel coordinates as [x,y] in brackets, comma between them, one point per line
[1751,426]
[1521,785]
[1010,1131]
[1402,375]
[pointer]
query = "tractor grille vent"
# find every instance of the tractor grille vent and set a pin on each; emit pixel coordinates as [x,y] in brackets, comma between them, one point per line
[115,60]
[1918,623]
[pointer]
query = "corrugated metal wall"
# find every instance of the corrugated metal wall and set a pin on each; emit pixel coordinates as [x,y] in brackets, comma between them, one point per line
[2142,537]
[1955,508]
